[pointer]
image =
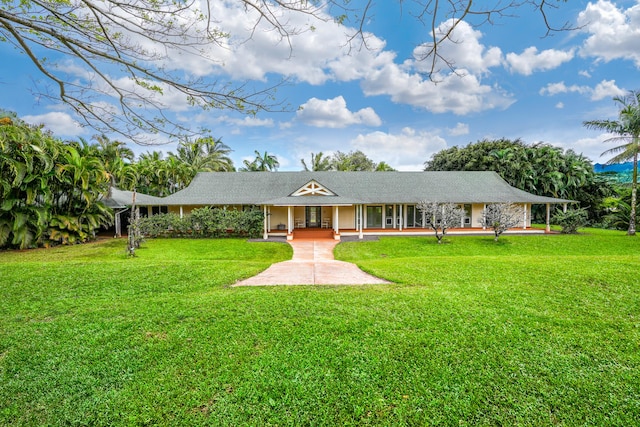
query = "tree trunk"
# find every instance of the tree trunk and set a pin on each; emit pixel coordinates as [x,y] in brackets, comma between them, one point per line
[634,189]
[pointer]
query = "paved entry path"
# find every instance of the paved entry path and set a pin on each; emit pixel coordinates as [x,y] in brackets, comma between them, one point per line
[312,264]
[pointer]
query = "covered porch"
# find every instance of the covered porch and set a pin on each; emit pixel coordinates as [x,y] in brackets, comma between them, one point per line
[375,219]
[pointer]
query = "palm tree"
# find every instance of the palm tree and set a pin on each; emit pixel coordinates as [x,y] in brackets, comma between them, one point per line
[262,163]
[217,154]
[384,167]
[81,181]
[153,174]
[176,174]
[250,166]
[205,155]
[627,130]
[117,159]
[319,162]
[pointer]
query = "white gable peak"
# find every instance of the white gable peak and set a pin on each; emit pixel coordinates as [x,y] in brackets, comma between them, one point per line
[313,188]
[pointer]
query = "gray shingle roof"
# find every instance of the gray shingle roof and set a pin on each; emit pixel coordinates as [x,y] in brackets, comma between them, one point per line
[276,188]
[122,198]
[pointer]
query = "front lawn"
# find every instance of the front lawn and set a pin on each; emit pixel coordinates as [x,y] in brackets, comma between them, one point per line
[533,330]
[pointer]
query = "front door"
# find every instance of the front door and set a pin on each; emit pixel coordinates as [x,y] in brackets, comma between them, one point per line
[374,216]
[313,216]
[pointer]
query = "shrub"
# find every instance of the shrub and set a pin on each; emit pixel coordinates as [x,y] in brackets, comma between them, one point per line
[161,225]
[250,223]
[204,222]
[570,220]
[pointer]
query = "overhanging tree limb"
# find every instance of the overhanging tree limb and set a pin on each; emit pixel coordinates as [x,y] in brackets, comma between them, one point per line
[122,48]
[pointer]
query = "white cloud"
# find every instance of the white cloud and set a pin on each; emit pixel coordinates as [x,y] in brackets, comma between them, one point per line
[314,51]
[614,32]
[560,105]
[453,93]
[462,49]
[459,130]
[333,113]
[604,89]
[560,87]
[59,123]
[593,147]
[407,150]
[319,55]
[460,92]
[248,121]
[531,60]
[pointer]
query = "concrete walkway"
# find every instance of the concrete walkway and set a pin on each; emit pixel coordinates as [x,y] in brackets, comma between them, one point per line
[312,264]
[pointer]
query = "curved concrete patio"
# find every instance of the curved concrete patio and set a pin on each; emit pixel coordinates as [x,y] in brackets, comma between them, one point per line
[312,264]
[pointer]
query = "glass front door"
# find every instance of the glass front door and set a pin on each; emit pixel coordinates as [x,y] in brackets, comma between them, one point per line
[411,216]
[313,216]
[374,216]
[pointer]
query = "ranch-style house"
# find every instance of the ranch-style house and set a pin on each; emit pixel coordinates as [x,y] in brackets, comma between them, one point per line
[343,203]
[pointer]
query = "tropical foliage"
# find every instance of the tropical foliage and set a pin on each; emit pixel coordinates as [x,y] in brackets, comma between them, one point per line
[261,163]
[50,191]
[157,175]
[353,161]
[540,169]
[319,162]
[626,130]
[617,209]
[570,220]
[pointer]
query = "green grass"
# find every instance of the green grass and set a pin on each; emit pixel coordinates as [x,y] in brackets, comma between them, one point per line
[533,330]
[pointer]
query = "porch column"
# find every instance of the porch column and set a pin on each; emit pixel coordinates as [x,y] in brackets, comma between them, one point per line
[364,216]
[118,225]
[548,227]
[384,216]
[181,212]
[289,228]
[395,215]
[265,235]
[400,217]
[336,219]
[360,219]
[269,218]
[484,216]
[524,220]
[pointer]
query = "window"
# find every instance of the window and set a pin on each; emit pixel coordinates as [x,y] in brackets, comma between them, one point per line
[467,214]
[388,215]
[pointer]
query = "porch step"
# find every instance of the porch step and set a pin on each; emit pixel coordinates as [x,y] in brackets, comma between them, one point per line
[313,234]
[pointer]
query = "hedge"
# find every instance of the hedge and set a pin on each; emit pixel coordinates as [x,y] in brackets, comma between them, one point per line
[205,222]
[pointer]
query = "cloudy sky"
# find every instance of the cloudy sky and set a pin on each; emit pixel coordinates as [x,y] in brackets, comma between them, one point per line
[509,81]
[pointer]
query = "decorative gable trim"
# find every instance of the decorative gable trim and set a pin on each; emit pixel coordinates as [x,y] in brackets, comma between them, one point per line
[313,188]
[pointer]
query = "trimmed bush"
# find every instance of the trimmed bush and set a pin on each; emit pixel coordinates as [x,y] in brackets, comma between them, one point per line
[206,222]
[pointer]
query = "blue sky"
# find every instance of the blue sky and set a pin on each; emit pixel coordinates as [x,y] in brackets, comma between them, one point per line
[511,82]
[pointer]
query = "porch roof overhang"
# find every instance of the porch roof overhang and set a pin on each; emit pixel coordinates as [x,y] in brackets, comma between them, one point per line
[313,201]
